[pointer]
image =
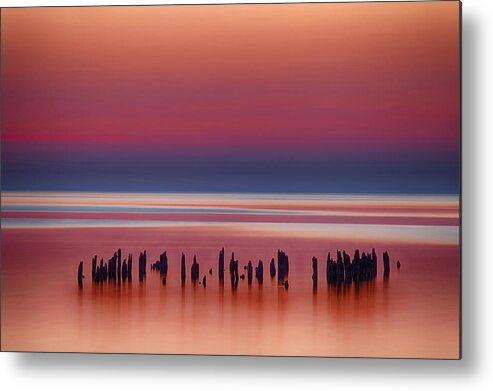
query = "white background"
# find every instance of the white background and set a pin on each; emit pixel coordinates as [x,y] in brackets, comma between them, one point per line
[474,371]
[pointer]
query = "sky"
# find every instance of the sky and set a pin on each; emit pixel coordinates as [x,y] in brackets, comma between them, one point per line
[289,98]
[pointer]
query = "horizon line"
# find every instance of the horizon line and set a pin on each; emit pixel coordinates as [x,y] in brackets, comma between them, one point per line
[229,193]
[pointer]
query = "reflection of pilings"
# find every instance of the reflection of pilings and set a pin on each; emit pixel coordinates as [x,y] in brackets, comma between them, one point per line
[282,266]
[204,281]
[398,264]
[183,269]
[272,268]
[80,274]
[194,270]
[386,264]
[315,272]
[220,266]
[250,272]
[259,272]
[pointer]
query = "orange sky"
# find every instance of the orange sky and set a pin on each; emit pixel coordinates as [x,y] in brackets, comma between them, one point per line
[254,79]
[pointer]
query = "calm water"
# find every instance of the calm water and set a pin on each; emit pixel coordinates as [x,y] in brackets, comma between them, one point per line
[414,313]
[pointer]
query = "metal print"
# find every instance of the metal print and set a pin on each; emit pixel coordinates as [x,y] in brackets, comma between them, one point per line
[264,179]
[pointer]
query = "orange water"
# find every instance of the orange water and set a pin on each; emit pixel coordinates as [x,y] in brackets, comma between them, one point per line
[414,313]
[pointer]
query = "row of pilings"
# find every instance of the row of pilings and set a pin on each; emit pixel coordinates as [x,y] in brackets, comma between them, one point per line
[113,270]
[344,270]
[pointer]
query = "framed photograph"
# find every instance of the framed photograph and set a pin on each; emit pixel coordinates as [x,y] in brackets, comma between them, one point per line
[237,179]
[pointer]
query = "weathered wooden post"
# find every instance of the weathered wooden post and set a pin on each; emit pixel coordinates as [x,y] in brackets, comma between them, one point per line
[348,270]
[220,266]
[356,267]
[272,268]
[259,272]
[163,264]
[195,270]
[104,271]
[282,266]
[80,274]
[101,272]
[111,270]
[250,272]
[183,269]
[119,270]
[331,270]
[340,268]
[315,272]
[124,270]
[94,264]
[386,264]
[129,267]
[98,275]
[233,270]
[142,265]
[374,262]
